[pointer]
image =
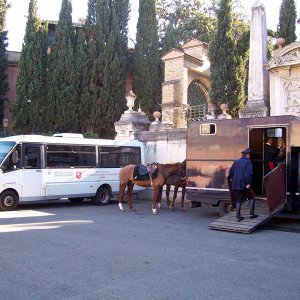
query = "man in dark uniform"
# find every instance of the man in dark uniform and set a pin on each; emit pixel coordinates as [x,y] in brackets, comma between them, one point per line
[241,172]
[270,155]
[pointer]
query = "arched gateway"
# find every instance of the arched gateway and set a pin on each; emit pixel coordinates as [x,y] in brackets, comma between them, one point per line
[186,82]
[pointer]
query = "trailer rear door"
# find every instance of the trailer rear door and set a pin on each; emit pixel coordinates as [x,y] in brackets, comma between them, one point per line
[275,188]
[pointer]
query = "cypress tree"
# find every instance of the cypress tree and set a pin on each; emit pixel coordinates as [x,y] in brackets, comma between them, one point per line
[170,40]
[241,72]
[222,59]
[82,83]
[3,59]
[29,109]
[146,60]
[287,21]
[107,52]
[62,107]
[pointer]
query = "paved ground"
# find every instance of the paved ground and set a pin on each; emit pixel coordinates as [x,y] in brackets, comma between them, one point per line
[65,251]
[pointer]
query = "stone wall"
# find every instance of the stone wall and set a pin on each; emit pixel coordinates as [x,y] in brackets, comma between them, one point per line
[167,146]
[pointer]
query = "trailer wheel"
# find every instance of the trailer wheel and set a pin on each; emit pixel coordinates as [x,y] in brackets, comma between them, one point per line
[102,197]
[8,200]
[225,207]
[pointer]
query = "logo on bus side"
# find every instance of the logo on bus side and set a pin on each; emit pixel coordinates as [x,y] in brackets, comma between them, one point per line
[78,174]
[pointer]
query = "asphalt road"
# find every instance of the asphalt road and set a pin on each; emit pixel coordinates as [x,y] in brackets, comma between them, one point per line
[75,252]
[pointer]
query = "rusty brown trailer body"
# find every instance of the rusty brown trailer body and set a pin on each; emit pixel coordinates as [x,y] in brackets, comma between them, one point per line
[213,145]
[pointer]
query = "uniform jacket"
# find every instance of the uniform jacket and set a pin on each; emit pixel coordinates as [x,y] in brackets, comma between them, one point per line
[241,172]
[270,153]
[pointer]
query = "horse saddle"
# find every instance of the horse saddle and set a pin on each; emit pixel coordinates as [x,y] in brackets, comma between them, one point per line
[142,172]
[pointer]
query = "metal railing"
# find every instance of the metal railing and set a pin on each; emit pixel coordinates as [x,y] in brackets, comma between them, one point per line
[196,113]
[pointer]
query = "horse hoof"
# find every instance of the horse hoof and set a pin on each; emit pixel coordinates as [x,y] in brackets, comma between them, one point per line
[133,210]
[158,205]
[121,207]
[155,211]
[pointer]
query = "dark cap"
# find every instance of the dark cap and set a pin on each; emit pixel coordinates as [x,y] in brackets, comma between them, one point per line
[246,151]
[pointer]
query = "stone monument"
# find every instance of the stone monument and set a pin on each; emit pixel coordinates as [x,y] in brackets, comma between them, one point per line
[258,96]
[284,68]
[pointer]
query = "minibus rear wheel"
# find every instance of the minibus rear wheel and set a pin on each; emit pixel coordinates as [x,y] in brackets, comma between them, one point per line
[102,197]
[8,200]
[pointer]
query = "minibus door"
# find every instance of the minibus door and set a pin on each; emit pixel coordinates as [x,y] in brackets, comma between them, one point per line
[32,176]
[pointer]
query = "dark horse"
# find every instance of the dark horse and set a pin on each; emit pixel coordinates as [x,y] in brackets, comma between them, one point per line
[178,182]
[164,171]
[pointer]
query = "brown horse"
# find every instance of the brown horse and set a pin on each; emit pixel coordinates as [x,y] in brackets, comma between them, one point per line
[178,182]
[164,171]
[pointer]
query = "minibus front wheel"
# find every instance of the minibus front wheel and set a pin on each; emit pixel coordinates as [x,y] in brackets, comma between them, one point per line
[8,200]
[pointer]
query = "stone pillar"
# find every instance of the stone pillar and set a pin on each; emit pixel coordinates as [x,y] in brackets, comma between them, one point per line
[258,96]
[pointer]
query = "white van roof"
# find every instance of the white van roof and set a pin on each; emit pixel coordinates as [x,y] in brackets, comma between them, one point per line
[69,135]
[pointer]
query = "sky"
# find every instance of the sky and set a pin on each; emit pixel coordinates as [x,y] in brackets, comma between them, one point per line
[49,10]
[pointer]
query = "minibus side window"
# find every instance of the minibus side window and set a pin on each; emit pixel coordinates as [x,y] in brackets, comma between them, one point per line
[32,157]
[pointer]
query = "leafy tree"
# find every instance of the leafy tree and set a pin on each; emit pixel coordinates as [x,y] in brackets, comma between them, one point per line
[3,59]
[29,109]
[287,21]
[3,9]
[222,59]
[146,71]
[62,111]
[107,35]
[184,19]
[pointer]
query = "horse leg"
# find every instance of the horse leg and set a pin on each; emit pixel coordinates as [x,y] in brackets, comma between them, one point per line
[155,197]
[168,187]
[182,197]
[159,198]
[174,196]
[129,195]
[122,189]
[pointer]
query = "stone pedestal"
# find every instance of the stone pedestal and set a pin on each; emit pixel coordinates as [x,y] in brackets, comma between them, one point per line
[130,124]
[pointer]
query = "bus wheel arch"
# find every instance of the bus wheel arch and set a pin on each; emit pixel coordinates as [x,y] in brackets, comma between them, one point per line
[103,195]
[9,200]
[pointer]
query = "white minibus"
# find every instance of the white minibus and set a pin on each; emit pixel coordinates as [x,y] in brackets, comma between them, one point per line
[36,167]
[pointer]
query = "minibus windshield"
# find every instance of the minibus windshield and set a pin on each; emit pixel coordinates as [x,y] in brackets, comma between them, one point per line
[5,147]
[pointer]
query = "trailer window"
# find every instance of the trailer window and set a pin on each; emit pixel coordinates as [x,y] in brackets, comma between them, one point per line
[206,129]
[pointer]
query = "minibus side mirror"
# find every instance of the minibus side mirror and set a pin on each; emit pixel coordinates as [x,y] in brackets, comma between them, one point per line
[15,157]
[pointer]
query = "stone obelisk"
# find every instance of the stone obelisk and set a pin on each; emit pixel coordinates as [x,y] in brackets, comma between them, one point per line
[258,83]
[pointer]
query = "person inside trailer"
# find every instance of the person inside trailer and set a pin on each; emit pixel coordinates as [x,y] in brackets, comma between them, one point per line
[270,155]
[281,150]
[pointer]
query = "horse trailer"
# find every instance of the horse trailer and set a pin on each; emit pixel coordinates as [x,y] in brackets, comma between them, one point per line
[212,147]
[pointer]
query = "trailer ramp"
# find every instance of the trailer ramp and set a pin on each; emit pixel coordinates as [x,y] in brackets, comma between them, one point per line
[229,223]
